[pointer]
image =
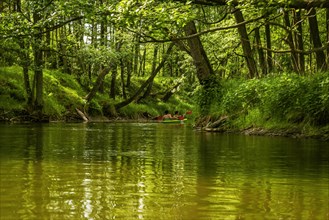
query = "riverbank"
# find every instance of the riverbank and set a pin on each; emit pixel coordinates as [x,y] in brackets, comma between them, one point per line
[225,124]
[283,105]
[64,98]
[207,124]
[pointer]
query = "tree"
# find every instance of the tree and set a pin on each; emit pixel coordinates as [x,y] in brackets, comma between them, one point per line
[247,52]
[135,96]
[315,36]
[261,55]
[299,40]
[200,59]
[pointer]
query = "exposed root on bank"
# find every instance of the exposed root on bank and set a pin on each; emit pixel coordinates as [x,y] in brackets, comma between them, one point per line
[223,124]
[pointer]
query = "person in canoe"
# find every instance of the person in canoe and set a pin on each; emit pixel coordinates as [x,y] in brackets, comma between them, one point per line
[167,115]
[178,116]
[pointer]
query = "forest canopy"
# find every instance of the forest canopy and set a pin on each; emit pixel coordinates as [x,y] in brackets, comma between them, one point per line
[106,44]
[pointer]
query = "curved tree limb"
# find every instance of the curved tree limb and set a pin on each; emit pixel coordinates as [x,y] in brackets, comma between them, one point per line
[145,84]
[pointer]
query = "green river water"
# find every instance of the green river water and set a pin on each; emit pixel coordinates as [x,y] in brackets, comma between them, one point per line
[158,171]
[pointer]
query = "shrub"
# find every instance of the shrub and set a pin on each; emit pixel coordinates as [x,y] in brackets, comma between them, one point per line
[286,97]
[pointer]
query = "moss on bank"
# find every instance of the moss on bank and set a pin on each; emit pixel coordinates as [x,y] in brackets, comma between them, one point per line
[63,94]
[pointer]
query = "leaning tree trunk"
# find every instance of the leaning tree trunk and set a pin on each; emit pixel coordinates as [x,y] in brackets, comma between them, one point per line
[315,36]
[247,52]
[201,61]
[146,83]
[99,80]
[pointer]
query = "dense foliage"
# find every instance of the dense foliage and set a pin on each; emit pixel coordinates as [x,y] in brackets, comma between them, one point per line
[286,97]
[123,54]
[63,94]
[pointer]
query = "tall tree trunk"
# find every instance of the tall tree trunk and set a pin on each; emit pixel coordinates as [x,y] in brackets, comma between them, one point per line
[26,64]
[24,45]
[142,60]
[261,55]
[122,74]
[1,6]
[294,57]
[38,69]
[299,41]
[200,59]
[315,36]
[247,52]
[129,73]
[327,20]
[103,40]
[114,68]
[136,55]
[150,85]
[269,58]
[55,57]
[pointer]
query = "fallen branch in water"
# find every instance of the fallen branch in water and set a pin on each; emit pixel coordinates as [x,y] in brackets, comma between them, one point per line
[82,115]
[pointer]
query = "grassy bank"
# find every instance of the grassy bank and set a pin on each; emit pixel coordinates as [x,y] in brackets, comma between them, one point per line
[285,104]
[63,95]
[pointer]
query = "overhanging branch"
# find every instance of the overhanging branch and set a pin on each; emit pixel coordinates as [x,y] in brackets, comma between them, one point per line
[203,32]
[293,4]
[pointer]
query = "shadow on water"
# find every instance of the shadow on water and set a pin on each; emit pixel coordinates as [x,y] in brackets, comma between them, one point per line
[149,170]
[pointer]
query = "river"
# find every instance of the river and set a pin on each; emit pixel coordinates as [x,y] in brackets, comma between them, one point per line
[158,171]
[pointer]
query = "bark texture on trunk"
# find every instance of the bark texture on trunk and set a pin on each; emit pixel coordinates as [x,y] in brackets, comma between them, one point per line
[315,36]
[200,59]
[247,52]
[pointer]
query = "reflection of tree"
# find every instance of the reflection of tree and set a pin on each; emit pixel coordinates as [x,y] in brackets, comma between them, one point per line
[34,187]
[106,171]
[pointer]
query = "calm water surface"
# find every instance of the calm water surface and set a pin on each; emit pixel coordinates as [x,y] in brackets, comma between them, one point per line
[158,171]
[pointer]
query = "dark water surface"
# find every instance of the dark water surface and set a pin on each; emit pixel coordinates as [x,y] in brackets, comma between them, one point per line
[158,171]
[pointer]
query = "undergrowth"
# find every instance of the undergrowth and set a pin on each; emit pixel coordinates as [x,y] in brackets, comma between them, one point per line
[63,94]
[276,101]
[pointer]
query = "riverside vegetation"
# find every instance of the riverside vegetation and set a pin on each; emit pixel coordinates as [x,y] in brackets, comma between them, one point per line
[285,104]
[253,66]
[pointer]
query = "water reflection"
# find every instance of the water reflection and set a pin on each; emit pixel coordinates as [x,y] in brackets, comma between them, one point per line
[148,171]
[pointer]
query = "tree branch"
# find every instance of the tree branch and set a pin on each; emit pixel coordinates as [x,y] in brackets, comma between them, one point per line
[294,4]
[326,45]
[202,32]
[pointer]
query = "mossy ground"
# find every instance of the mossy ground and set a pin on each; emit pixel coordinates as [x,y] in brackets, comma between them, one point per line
[63,95]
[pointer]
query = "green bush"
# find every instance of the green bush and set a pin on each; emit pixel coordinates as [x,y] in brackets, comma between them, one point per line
[208,97]
[286,97]
[240,95]
[12,94]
